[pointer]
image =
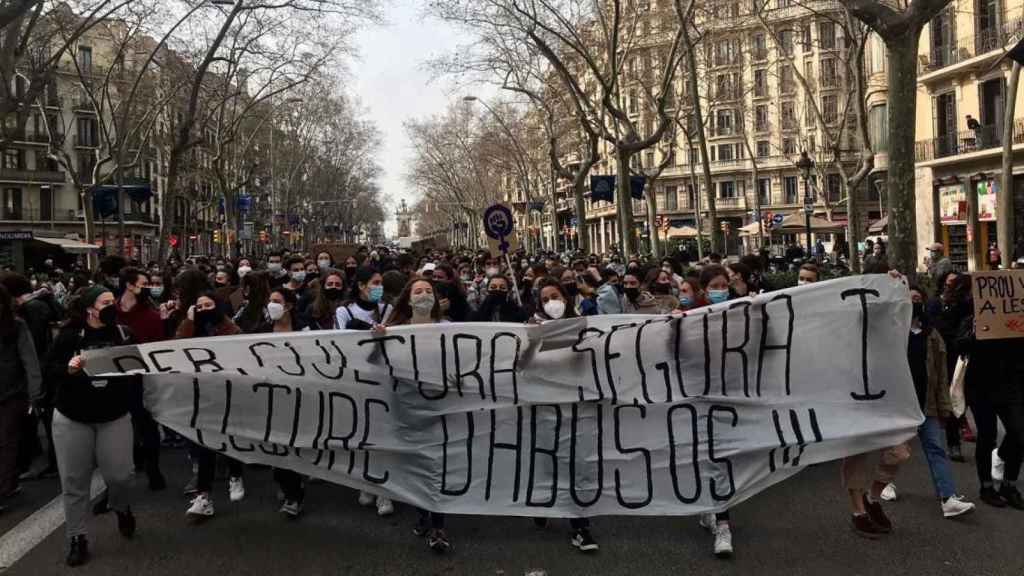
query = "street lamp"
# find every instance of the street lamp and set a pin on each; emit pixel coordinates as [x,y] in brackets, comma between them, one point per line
[805,165]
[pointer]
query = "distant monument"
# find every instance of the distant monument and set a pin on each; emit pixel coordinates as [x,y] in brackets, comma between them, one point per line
[404,216]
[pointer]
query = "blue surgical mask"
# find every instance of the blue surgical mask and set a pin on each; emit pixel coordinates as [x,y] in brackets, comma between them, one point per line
[716,296]
[376,293]
[685,300]
[156,291]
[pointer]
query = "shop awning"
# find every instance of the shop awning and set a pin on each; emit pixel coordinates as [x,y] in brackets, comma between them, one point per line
[879,226]
[68,245]
[797,222]
[681,232]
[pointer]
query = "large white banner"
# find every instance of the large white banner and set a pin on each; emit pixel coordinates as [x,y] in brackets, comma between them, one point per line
[634,415]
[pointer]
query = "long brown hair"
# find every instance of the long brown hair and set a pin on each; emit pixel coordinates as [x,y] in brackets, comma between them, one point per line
[403,309]
[258,286]
[321,306]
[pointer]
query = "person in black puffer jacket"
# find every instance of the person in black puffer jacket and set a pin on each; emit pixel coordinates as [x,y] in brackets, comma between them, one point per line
[91,425]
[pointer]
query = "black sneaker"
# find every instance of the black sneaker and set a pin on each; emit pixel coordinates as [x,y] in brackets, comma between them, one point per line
[877,515]
[422,528]
[126,523]
[1012,496]
[989,496]
[540,522]
[78,551]
[583,541]
[102,506]
[865,527]
[438,541]
[956,454]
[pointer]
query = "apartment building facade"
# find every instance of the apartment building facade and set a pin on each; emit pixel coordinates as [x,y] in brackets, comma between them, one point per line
[962,91]
[758,118]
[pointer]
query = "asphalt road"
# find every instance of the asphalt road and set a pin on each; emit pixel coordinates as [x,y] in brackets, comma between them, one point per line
[799,527]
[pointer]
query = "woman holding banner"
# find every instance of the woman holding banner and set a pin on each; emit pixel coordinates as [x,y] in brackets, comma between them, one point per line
[714,282]
[91,424]
[554,304]
[204,319]
[418,305]
[364,311]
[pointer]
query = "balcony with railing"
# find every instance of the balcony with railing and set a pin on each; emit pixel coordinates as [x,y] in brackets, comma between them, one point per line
[967,47]
[31,176]
[966,141]
[732,202]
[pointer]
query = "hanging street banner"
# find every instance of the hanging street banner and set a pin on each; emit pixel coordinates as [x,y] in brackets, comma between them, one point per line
[625,415]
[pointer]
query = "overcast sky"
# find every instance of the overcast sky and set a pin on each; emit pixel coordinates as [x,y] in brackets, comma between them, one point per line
[390,80]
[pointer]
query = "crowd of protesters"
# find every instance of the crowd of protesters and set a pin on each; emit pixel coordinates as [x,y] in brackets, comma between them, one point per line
[89,423]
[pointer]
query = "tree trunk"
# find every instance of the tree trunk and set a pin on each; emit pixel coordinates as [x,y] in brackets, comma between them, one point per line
[698,119]
[90,226]
[582,232]
[902,105]
[853,227]
[1004,200]
[625,205]
[652,206]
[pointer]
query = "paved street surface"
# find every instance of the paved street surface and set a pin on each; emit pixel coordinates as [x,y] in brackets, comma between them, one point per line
[799,527]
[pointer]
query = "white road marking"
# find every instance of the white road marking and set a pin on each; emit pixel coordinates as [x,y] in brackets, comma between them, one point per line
[21,539]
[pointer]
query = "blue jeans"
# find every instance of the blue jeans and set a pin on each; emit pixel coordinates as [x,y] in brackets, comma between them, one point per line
[932,434]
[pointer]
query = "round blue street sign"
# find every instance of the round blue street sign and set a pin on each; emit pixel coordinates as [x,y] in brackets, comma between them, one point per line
[777,219]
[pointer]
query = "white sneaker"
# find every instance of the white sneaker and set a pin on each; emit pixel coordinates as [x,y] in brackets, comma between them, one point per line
[955,506]
[236,489]
[384,506]
[707,522]
[200,506]
[997,467]
[889,492]
[291,508]
[723,540]
[366,499]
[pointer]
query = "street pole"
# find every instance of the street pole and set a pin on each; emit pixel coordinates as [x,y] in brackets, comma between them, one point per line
[1004,196]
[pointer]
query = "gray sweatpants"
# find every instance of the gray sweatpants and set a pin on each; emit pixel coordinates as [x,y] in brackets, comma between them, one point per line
[81,448]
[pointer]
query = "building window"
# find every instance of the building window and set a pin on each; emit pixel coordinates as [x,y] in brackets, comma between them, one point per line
[727,189]
[786,42]
[761,118]
[724,122]
[764,191]
[786,84]
[759,46]
[827,35]
[12,204]
[13,159]
[878,127]
[788,146]
[760,83]
[833,187]
[809,117]
[671,198]
[85,58]
[789,186]
[725,152]
[88,131]
[764,149]
[830,108]
[805,38]
[829,78]
[788,115]
[633,104]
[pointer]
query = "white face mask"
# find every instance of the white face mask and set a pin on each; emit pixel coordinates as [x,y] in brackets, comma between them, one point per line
[491,272]
[555,309]
[801,282]
[243,270]
[275,311]
[422,303]
[323,264]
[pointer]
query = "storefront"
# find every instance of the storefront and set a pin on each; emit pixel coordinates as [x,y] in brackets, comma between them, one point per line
[953,219]
[12,249]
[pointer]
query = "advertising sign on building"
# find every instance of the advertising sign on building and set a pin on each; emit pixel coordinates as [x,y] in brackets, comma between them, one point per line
[987,200]
[952,205]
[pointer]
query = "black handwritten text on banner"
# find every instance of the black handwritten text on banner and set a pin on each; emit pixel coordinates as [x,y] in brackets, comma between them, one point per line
[602,415]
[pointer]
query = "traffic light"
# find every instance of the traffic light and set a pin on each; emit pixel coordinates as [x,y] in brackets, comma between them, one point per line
[216,237]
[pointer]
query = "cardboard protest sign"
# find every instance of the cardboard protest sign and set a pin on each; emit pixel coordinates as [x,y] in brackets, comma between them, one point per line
[636,415]
[998,304]
[499,226]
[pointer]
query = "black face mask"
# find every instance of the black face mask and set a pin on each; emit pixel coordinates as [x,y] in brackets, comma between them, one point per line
[207,318]
[108,315]
[350,270]
[499,295]
[632,294]
[221,284]
[661,289]
[334,293]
